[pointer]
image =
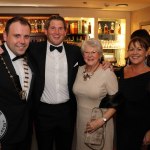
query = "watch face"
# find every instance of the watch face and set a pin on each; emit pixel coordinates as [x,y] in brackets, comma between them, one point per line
[104,119]
[3,124]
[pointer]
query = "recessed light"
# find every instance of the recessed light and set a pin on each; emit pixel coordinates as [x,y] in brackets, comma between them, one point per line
[85,3]
[122,5]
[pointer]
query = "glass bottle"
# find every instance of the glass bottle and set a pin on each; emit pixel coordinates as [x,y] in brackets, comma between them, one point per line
[32,26]
[112,28]
[99,28]
[39,26]
[83,26]
[119,28]
[89,28]
[79,27]
[42,26]
[106,29]
[75,27]
[35,26]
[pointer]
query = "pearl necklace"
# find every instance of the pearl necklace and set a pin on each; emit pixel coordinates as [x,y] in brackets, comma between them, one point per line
[88,75]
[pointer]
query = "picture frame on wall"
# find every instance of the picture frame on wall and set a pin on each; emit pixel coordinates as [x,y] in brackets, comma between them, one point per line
[145,25]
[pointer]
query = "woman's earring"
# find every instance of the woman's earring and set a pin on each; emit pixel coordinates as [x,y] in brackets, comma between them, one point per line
[128,61]
[145,62]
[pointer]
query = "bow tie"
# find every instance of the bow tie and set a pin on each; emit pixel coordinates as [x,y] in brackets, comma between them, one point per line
[59,48]
[18,57]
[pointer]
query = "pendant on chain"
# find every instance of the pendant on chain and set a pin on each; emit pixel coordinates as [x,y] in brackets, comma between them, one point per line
[23,95]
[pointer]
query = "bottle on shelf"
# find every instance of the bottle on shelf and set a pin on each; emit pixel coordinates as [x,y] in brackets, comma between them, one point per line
[35,26]
[72,28]
[89,28]
[39,26]
[106,29]
[119,28]
[75,27]
[1,26]
[83,26]
[112,28]
[79,27]
[99,28]
[67,27]
[32,26]
[42,26]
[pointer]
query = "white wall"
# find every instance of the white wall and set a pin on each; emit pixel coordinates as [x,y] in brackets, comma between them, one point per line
[139,16]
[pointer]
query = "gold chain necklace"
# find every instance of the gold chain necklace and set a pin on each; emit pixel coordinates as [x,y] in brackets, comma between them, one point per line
[88,75]
[22,93]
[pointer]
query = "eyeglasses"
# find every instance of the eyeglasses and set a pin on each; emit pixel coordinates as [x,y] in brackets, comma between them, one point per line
[90,53]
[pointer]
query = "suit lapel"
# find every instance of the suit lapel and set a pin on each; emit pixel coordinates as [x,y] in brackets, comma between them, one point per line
[69,61]
[8,62]
[11,68]
[41,58]
[32,78]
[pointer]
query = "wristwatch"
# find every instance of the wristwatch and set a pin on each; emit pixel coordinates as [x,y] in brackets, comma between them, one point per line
[104,119]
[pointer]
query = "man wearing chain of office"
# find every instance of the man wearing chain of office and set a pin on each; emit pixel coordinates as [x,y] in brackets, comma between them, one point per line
[16,84]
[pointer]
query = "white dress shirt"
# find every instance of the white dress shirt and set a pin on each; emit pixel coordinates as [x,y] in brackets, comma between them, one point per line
[56,77]
[19,68]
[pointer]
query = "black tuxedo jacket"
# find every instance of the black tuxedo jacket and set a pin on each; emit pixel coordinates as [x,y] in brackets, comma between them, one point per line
[16,111]
[74,60]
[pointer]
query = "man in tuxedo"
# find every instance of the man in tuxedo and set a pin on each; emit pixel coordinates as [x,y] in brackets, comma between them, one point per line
[16,82]
[57,64]
[55,105]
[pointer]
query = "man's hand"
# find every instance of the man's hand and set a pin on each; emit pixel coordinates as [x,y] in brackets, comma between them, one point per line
[1,50]
[146,140]
[106,65]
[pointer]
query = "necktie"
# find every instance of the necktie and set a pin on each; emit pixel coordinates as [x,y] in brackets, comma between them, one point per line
[59,48]
[18,57]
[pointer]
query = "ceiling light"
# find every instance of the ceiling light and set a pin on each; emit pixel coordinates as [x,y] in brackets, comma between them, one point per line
[85,3]
[122,5]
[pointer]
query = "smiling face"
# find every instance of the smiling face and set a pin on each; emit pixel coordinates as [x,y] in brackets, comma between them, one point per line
[91,55]
[17,38]
[56,32]
[137,53]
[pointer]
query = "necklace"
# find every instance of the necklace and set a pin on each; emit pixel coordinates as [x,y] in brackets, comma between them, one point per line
[88,75]
[22,93]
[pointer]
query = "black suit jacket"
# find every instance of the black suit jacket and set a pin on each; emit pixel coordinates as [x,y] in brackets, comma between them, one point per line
[74,60]
[17,111]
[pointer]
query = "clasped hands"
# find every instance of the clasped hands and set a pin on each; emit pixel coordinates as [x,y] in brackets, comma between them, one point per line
[94,125]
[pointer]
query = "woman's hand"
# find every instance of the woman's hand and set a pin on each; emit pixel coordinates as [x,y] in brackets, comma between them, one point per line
[94,125]
[146,140]
[106,65]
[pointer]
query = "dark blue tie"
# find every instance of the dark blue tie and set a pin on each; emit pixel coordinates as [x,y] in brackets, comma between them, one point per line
[59,48]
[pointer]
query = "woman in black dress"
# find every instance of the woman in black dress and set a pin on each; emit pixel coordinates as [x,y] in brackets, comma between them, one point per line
[133,115]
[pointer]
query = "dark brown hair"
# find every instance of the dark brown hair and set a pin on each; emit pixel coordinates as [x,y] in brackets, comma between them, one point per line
[143,43]
[55,17]
[20,19]
[141,33]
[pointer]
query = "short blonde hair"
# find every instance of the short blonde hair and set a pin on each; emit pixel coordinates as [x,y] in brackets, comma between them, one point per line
[93,43]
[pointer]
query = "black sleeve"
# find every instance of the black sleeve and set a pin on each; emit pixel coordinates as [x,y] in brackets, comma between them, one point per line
[111,101]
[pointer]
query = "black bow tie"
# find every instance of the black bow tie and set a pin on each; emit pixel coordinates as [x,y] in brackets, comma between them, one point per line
[18,57]
[59,48]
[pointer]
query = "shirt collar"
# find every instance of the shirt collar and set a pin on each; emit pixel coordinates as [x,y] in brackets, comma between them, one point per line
[11,54]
